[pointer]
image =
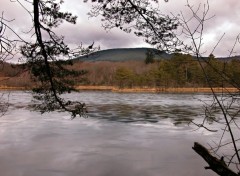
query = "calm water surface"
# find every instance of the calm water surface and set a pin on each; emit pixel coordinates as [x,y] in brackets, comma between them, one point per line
[124,135]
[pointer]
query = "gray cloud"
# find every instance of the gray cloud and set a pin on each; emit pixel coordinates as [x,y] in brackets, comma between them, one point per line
[226,20]
[88,33]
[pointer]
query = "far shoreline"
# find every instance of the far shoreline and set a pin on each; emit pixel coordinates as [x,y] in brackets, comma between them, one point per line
[139,89]
[158,89]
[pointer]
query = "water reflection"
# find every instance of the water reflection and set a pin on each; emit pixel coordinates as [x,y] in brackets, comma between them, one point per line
[138,113]
[180,109]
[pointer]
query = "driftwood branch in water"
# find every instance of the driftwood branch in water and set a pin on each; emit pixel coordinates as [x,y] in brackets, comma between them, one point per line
[215,164]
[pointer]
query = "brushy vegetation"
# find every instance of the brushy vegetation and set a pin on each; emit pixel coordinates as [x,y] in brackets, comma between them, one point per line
[179,71]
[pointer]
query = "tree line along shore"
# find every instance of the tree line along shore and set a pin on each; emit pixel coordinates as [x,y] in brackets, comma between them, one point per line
[181,73]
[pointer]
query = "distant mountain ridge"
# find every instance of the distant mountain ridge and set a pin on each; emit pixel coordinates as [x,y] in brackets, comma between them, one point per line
[128,54]
[123,54]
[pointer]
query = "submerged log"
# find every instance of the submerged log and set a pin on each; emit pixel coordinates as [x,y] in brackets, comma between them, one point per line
[215,164]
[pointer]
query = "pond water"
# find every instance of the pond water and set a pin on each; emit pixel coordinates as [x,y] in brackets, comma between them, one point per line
[127,134]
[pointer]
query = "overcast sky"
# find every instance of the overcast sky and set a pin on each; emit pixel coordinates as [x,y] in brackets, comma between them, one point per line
[87,30]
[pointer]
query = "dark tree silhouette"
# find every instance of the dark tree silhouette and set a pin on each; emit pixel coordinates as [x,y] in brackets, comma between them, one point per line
[7,52]
[44,59]
[143,18]
[149,57]
[7,46]
[226,103]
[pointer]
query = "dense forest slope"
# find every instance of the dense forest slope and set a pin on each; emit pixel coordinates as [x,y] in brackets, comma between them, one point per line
[124,54]
[132,54]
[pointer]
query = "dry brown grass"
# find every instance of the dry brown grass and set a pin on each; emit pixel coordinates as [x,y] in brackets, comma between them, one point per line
[158,90]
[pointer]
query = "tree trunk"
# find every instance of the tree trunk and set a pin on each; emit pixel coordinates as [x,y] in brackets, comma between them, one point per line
[215,164]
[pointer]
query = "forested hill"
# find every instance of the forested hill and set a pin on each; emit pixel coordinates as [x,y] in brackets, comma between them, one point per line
[132,54]
[124,54]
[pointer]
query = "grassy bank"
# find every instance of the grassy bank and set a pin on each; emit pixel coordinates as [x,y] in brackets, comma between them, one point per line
[157,90]
[142,89]
[13,88]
